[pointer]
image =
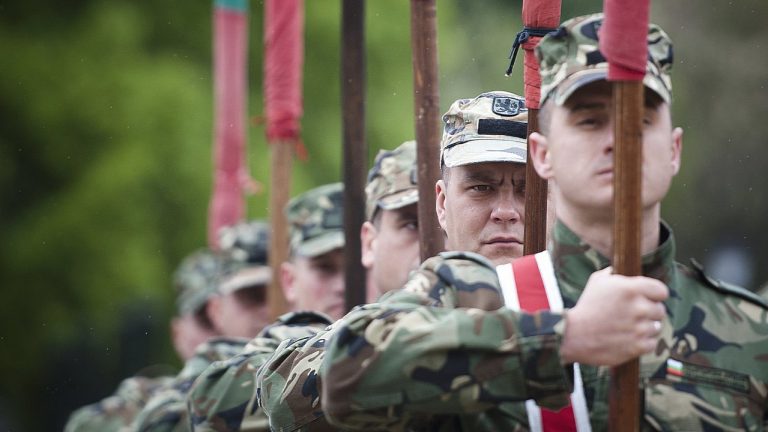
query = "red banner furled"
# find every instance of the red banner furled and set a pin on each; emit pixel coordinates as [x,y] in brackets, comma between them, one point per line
[230,48]
[623,38]
[539,15]
[284,58]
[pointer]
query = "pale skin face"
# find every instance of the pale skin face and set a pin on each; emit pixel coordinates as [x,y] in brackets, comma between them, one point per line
[241,313]
[187,334]
[481,209]
[577,153]
[390,248]
[316,283]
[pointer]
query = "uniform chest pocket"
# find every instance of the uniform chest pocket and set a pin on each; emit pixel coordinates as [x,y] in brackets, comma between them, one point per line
[687,396]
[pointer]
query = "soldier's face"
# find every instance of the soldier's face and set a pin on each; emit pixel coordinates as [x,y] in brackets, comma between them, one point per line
[578,150]
[481,207]
[241,313]
[316,283]
[390,248]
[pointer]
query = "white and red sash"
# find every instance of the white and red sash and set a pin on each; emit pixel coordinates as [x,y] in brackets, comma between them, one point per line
[529,284]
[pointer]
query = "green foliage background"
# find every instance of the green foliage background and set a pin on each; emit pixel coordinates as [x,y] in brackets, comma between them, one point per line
[105,158]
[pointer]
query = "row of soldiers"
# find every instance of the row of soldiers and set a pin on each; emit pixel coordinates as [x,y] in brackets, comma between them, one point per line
[479,338]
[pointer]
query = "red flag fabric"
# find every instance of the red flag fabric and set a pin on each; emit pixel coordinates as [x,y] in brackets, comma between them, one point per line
[230,48]
[623,38]
[537,14]
[284,58]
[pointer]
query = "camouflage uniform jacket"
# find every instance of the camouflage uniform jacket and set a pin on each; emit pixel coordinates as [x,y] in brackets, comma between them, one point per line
[223,398]
[709,372]
[167,409]
[118,410]
[427,349]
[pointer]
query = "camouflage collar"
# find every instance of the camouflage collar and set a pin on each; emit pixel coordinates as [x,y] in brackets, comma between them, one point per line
[575,260]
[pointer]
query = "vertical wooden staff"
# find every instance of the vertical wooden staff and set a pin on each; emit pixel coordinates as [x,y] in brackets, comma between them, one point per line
[355,146]
[427,110]
[283,62]
[280,181]
[535,239]
[624,43]
[624,393]
[539,17]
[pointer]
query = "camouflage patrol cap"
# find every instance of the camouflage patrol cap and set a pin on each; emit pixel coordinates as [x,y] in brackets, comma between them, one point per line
[246,246]
[196,280]
[489,128]
[570,58]
[392,180]
[316,219]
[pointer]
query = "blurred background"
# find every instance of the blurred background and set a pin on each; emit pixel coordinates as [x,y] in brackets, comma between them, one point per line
[106,167]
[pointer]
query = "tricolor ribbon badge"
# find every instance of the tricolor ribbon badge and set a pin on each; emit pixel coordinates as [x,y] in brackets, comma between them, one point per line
[674,369]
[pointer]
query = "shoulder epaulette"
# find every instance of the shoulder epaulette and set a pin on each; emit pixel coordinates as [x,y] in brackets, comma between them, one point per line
[725,287]
[303,317]
[466,255]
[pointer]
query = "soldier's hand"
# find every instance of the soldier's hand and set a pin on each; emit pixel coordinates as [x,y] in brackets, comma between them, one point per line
[617,318]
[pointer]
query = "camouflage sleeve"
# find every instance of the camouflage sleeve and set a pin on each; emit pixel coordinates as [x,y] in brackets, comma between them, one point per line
[223,397]
[442,345]
[167,410]
[116,411]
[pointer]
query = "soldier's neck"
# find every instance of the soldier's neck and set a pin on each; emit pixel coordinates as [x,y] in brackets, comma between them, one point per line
[596,228]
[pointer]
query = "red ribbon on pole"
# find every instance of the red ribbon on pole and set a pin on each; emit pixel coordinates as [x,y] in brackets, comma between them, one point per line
[624,38]
[230,49]
[284,59]
[537,14]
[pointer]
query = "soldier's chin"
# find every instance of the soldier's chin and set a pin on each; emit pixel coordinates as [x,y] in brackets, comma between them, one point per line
[500,254]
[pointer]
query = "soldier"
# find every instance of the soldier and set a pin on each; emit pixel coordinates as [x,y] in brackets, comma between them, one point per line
[236,310]
[709,371]
[390,234]
[313,277]
[488,359]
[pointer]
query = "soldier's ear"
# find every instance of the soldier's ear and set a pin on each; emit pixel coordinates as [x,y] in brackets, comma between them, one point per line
[288,280]
[368,234]
[538,146]
[440,187]
[677,148]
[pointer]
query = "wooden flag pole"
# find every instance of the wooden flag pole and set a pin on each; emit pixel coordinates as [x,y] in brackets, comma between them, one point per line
[427,110]
[355,146]
[624,391]
[280,181]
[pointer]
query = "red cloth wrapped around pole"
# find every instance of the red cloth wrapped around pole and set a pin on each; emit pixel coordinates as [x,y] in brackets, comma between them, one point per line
[283,63]
[230,48]
[623,38]
[536,14]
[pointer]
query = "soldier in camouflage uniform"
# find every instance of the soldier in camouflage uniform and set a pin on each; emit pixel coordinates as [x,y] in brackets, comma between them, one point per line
[705,366]
[193,281]
[223,398]
[390,234]
[236,307]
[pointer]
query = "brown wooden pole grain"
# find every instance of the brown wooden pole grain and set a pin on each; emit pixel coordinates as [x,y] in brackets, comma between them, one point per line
[280,181]
[428,128]
[624,392]
[535,239]
[355,146]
